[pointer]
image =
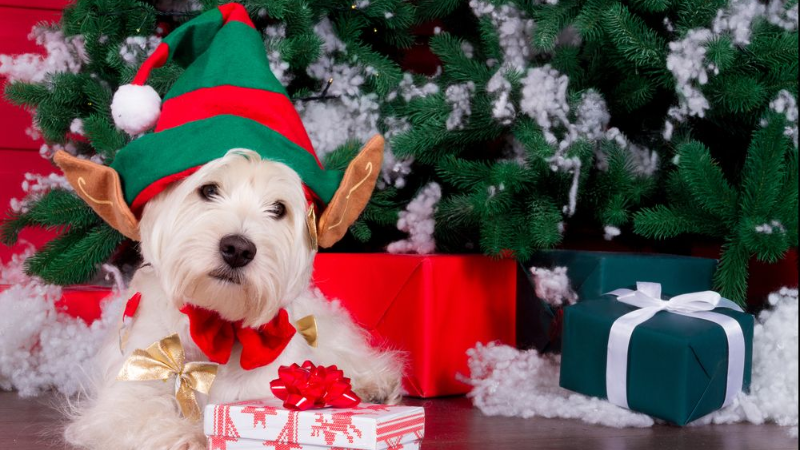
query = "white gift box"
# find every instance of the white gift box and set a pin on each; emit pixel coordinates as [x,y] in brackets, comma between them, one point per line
[222,443]
[266,424]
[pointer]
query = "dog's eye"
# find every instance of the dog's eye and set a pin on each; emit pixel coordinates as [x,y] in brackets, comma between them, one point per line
[208,191]
[278,210]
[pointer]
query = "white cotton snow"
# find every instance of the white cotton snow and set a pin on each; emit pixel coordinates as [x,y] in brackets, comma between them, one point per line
[500,89]
[737,19]
[779,15]
[785,103]
[514,31]
[511,382]
[610,232]
[62,54]
[458,97]
[394,170]
[408,90]
[544,98]
[273,35]
[687,62]
[418,221]
[552,286]
[47,349]
[136,49]
[771,227]
[34,186]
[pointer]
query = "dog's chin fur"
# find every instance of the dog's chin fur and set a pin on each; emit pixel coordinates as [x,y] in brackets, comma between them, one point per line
[180,235]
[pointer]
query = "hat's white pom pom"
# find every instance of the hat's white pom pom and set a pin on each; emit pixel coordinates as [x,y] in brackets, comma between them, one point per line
[135,108]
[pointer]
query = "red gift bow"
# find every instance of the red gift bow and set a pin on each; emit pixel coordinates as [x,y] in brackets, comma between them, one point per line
[309,386]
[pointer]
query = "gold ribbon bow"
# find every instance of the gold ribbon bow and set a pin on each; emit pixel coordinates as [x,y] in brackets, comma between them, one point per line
[307,327]
[165,359]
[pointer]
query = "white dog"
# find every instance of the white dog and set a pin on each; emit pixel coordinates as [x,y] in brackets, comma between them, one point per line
[231,238]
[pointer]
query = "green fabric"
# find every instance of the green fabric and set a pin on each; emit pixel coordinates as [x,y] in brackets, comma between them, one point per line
[190,40]
[236,57]
[157,155]
[592,274]
[677,366]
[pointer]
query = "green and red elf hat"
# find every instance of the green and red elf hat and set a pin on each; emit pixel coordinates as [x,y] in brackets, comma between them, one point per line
[226,98]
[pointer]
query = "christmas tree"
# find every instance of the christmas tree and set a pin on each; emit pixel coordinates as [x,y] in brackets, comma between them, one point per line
[544,118]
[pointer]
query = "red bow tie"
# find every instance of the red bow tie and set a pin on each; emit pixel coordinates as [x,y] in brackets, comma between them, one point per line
[215,337]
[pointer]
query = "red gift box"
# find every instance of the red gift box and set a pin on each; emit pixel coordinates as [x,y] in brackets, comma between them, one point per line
[433,307]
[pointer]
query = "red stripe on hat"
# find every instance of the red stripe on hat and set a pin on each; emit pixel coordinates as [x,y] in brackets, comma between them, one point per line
[156,188]
[154,61]
[234,12]
[270,109]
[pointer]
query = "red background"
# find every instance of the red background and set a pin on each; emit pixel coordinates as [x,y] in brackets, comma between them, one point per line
[18,152]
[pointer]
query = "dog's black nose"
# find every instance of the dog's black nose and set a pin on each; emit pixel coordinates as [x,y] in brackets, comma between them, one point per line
[237,250]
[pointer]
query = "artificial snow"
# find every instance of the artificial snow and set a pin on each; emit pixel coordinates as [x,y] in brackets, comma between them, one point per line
[610,232]
[458,97]
[544,98]
[552,286]
[785,103]
[514,31]
[511,382]
[418,221]
[135,49]
[771,227]
[500,89]
[47,348]
[34,186]
[62,54]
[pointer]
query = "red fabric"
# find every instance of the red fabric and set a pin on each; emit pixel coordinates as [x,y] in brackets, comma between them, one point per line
[216,336]
[83,302]
[154,189]
[132,305]
[433,307]
[270,109]
[234,12]
[154,61]
[310,386]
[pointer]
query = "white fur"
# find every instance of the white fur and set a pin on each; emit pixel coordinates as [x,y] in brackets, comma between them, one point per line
[180,234]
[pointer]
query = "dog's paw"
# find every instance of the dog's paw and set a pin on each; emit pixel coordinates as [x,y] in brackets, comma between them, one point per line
[191,443]
[385,390]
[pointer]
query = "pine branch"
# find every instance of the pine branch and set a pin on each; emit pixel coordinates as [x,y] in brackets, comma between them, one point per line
[461,173]
[550,20]
[457,66]
[633,38]
[706,183]
[104,136]
[75,256]
[339,158]
[651,6]
[763,169]
[730,279]
[663,222]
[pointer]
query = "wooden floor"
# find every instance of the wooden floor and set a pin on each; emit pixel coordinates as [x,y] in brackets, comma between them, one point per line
[452,423]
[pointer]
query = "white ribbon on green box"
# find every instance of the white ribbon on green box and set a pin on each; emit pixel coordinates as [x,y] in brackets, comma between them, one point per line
[698,305]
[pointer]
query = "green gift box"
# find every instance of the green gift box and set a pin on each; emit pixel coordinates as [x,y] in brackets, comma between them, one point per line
[677,366]
[592,274]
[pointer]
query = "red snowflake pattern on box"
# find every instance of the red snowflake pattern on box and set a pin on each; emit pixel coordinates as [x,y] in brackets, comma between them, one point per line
[330,425]
[270,426]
